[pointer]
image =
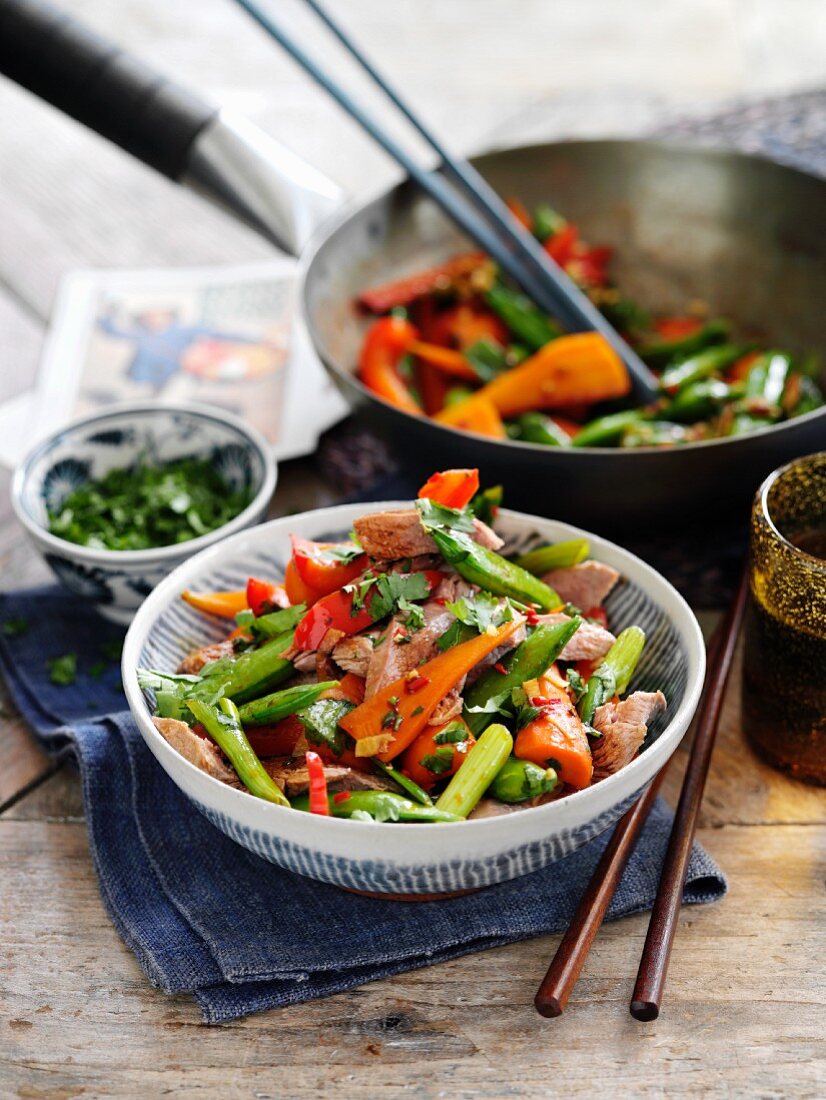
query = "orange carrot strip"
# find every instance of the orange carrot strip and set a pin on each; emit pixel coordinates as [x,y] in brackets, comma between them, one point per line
[401,713]
[557,738]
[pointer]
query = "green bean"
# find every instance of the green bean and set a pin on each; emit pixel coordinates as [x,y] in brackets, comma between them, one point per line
[535,427]
[546,222]
[560,555]
[527,661]
[660,353]
[700,365]
[407,784]
[614,673]
[223,725]
[486,358]
[699,400]
[519,780]
[764,390]
[381,806]
[655,433]
[491,571]
[249,674]
[477,772]
[280,704]
[525,321]
[609,429]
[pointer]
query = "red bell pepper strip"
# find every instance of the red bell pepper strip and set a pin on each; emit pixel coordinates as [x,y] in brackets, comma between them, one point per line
[560,246]
[318,785]
[381,299]
[599,614]
[463,325]
[452,488]
[676,328]
[278,739]
[386,342]
[320,566]
[261,596]
[336,612]
[434,386]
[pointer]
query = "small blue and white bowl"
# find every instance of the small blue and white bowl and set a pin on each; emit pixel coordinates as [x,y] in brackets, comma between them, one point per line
[117,581]
[406,859]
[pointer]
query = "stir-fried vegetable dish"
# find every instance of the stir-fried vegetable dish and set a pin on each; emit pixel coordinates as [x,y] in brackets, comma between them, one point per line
[413,673]
[460,345]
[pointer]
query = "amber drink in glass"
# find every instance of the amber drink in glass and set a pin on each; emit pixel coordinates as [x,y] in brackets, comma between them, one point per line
[784,671]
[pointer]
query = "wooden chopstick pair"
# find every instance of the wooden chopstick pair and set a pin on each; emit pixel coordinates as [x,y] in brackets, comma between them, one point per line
[473,205]
[567,963]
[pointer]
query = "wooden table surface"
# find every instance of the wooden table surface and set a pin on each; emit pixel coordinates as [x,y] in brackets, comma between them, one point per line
[744,1014]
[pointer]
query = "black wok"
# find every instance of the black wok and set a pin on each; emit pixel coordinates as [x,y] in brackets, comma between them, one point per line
[743,234]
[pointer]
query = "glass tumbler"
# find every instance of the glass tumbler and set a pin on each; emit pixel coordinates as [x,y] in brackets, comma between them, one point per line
[784,670]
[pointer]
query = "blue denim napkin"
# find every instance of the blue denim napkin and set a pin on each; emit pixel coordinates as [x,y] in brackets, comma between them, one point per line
[204,916]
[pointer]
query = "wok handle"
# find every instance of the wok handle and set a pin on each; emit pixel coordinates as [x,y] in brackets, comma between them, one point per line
[162,123]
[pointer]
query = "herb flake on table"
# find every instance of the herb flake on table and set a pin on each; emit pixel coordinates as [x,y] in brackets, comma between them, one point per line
[63,669]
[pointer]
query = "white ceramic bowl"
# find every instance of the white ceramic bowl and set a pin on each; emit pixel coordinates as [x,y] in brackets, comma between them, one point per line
[117,581]
[415,859]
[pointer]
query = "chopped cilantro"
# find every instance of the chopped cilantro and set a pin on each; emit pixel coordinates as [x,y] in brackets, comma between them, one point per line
[576,684]
[453,734]
[111,650]
[455,634]
[436,517]
[396,591]
[12,628]
[63,670]
[359,590]
[320,722]
[416,711]
[440,761]
[146,505]
[482,611]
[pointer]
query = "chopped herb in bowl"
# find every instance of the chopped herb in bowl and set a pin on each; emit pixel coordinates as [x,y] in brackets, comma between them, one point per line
[145,506]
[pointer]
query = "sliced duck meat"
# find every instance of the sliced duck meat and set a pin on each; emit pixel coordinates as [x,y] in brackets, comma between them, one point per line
[585,585]
[393,658]
[623,727]
[492,807]
[197,750]
[192,664]
[452,587]
[391,536]
[590,642]
[293,778]
[449,707]
[353,654]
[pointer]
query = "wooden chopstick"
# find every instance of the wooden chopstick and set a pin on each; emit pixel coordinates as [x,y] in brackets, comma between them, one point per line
[662,927]
[567,963]
[487,221]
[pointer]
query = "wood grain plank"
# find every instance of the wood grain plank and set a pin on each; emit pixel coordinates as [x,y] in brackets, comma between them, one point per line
[76,1014]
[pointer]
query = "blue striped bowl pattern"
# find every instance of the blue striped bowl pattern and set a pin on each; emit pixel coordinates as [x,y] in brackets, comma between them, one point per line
[416,859]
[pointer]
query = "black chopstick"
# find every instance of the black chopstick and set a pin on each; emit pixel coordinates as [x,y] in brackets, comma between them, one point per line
[519,254]
[662,927]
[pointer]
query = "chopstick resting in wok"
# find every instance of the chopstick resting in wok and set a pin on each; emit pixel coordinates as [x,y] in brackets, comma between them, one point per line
[474,206]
